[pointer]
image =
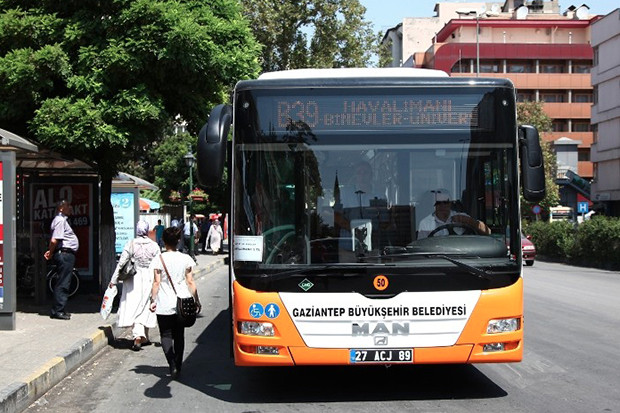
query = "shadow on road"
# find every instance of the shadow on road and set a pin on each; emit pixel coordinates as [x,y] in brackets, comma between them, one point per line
[210,369]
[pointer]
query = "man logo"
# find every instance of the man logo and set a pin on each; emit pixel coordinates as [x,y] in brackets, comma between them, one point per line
[381,341]
[374,329]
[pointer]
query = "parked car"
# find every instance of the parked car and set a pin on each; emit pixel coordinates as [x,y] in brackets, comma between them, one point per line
[529,250]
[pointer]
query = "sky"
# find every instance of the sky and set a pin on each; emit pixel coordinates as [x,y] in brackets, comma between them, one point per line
[385,14]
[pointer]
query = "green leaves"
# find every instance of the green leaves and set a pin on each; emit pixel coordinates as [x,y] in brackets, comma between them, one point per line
[104,80]
[317,33]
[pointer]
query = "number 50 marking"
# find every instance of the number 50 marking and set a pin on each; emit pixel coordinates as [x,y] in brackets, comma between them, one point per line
[381,282]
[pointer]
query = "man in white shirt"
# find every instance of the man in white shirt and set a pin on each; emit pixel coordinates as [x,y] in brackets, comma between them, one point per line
[187,232]
[444,215]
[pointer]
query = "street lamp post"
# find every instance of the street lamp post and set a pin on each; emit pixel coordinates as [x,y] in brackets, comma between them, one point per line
[190,160]
[477,14]
[477,44]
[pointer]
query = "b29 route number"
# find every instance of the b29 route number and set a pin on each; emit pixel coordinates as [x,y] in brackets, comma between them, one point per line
[381,356]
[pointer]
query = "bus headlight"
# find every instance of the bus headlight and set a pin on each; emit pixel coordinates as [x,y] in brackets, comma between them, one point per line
[255,328]
[504,325]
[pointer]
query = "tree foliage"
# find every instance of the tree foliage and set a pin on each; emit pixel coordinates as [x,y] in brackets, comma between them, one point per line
[311,33]
[532,113]
[102,80]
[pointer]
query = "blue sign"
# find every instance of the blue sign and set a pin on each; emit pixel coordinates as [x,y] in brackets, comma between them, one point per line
[536,209]
[582,207]
[272,310]
[256,310]
[124,207]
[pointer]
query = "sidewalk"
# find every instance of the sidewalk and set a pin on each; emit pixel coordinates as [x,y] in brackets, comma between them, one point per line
[41,351]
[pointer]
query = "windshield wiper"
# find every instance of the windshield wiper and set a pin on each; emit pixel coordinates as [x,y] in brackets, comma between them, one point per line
[471,269]
[316,271]
[487,275]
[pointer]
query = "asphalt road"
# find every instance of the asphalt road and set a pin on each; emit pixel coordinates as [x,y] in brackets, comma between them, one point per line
[571,364]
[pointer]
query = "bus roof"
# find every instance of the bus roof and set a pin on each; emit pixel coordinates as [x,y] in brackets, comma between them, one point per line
[358,72]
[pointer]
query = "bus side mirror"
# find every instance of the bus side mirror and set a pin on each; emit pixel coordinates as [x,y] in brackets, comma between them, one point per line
[212,144]
[532,165]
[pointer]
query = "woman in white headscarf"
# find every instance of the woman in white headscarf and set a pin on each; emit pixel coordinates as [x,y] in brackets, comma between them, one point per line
[134,310]
[215,236]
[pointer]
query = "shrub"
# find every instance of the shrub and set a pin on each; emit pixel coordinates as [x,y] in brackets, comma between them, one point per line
[597,242]
[554,240]
[594,243]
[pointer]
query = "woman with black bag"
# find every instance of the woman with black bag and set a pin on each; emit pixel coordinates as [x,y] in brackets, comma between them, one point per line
[173,279]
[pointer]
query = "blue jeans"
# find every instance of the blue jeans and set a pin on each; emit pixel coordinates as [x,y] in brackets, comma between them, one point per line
[64,264]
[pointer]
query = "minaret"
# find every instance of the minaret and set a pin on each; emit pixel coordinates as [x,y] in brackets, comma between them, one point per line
[337,201]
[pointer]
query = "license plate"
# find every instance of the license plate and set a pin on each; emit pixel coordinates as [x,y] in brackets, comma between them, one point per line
[381,356]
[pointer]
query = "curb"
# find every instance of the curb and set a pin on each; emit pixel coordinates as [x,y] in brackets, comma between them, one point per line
[19,395]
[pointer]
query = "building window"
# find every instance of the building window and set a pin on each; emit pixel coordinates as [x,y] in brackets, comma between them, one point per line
[553,97]
[595,56]
[520,67]
[582,98]
[559,126]
[552,67]
[583,155]
[582,67]
[490,67]
[581,126]
[462,66]
[525,97]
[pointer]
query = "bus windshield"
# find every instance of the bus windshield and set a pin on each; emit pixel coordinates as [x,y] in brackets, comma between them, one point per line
[372,177]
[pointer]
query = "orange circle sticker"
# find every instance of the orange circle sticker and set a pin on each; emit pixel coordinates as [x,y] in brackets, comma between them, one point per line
[381,282]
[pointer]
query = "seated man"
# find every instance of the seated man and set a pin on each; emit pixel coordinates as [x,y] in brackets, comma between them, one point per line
[444,215]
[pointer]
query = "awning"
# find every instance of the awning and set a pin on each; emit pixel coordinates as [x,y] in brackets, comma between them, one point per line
[11,140]
[123,178]
[148,204]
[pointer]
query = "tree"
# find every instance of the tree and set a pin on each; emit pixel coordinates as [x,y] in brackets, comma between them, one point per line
[171,173]
[532,113]
[102,80]
[311,33]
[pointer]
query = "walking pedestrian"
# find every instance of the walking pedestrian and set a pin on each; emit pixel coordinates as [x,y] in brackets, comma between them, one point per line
[133,310]
[176,267]
[215,237]
[159,231]
[205,225]
[63,246]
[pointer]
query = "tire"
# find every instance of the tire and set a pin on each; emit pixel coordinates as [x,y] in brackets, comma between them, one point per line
[52,278]
[529,263]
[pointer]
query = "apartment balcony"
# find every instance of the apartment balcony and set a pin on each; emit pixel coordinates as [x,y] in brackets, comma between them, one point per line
[586,138]
[567,110]
[541,81]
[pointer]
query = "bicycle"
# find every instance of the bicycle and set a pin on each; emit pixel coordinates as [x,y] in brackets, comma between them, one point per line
[52,279]
[26,274]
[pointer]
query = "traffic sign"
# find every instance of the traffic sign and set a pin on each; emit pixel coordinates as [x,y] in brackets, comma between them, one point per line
[536,209]
[582,207]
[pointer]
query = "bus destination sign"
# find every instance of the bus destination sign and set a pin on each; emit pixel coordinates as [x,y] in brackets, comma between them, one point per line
[334,113]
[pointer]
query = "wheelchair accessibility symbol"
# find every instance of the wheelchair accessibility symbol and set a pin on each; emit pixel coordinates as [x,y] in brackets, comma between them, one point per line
[256,310]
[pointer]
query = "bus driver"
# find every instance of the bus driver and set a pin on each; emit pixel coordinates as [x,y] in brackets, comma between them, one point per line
[444,215]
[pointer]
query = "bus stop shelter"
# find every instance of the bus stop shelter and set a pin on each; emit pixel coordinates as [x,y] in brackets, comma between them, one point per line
[34,179]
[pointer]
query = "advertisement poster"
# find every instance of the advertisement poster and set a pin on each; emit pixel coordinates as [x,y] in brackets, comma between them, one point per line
[124,207]
[1,237]
[45,198]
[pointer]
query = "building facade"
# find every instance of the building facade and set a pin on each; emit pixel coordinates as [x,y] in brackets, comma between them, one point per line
[606,112]
[546,52]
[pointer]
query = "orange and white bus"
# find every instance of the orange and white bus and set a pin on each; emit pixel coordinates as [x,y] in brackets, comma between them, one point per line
[335,175]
